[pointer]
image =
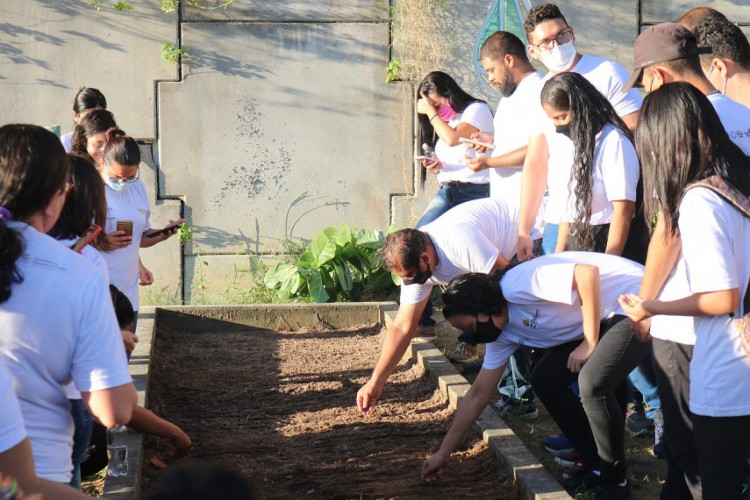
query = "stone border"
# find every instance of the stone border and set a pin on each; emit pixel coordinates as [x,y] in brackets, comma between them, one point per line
[533,480]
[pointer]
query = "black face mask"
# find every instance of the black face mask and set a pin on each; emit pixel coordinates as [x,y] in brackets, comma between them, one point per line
[486,332]
[420,278]
[563,129]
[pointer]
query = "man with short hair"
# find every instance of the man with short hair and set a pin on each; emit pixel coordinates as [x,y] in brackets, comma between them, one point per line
[663,54]
[476,236]
[728,67]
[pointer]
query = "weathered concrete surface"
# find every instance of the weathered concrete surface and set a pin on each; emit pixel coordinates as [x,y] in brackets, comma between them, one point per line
[655,11]
[284,109]
[49,48]
[290,10]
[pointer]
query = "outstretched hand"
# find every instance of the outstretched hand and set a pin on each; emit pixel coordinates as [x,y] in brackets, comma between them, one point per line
[433,467]
[633,306]
[367,396]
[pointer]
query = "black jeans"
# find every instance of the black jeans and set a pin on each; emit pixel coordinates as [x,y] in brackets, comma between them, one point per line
[672,371]
[722,444]
[598,428]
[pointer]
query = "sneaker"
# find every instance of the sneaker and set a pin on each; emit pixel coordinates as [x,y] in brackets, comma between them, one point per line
[426,333]
[567,458]
[515,408]
[660,444]
[557,444]
[464,353]
[636,422]
[584,482]
[616,491]
[572,470]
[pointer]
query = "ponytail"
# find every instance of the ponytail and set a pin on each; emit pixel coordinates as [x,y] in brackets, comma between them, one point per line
[11,249]
[121,148]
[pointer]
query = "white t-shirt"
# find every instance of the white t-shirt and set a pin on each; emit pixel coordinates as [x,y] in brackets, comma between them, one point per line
[544,310]
[559,164]
[67,141]
[715,243]
[467,239]
[129,204]
[12,430]
[736,120]
[515,122]
[58,325]
[479,115]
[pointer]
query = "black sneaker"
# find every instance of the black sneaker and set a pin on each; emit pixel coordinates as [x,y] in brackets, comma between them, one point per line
[583,482]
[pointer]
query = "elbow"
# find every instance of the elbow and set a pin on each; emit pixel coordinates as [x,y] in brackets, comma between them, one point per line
[116,416]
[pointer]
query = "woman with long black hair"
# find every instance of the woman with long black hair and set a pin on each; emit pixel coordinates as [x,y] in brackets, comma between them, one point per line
[681,141]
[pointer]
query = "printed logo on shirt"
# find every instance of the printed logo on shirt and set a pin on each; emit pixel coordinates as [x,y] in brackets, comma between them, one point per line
[47,264]
[531,323]
[739,134]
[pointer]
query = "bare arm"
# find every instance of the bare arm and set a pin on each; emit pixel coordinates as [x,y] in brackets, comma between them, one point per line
[147,422]
[113,406]
[470,407]
[631,120]
[698,304]
[397,339]
[533,184]
[663,251]
[511,159]
[586,281]
[562,237]
[619,226]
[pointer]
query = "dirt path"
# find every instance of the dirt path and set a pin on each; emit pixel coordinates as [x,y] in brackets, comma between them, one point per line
[279,408]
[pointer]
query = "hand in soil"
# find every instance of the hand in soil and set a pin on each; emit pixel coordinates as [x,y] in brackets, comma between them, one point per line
[182,444]
[433,467]
[367,396]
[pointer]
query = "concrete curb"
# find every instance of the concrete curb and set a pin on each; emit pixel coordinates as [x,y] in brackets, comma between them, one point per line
[533,481]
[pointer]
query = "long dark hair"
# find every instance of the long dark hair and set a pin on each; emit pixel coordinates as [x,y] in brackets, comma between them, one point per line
[88,98]
[590,112]
[443,85]
[680,140]
[86,202]
[473,293]
[93,123]
[121,148]
[33,167]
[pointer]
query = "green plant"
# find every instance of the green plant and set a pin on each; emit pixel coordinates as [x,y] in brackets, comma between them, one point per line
[171,5]
[122,6]
[394,70]
[168,6]
[171,53]
[338,264]
[95,4]
[185,233]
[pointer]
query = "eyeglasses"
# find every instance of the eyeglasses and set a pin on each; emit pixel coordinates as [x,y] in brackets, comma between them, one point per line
[561,38]
[123,180]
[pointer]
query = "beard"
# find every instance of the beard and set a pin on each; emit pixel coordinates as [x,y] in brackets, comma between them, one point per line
[507,86]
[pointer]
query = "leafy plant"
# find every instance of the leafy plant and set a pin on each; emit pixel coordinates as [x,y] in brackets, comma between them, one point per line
[185,233]
[171,53]
[122,6]
[394,70]
[168,6]
[338,264]
[171,5]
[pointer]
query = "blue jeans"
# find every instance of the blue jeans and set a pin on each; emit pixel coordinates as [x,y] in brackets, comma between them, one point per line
[644,380]
[549,242]
[446,198]
[81,436]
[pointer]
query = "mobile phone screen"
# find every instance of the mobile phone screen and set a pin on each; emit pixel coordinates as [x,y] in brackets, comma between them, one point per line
[86,238]
[162,231]
[125,225]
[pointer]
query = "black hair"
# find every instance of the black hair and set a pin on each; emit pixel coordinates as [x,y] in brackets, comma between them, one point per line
[96,122]
[680,140]
[123,307]
[541,13]
[501,43]
[121,148]
[443,85]
[86,202]
[204,481]
[590,112]
[88,98]
[698,14]
[33,167]
[726,40]
[471,294]
[403,248]
[688,66]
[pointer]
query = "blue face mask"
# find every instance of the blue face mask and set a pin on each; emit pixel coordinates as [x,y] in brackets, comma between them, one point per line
[116,186]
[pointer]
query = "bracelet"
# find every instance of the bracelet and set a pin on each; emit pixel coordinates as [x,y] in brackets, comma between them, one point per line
[433,117]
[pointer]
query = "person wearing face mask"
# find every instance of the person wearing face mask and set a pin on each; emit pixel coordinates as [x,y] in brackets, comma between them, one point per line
[552,41]
[567,304]
[728,66]
[476,236]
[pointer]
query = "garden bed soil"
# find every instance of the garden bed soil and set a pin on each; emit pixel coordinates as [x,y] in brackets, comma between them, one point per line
[279,407]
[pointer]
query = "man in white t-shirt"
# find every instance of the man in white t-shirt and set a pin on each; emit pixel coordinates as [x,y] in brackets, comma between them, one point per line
[667,53]
[476,236]
[552,41]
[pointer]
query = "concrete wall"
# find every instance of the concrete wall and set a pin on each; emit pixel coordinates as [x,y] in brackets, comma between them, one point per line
[278,123]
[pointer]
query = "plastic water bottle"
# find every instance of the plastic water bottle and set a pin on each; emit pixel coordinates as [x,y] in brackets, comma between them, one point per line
[428,151]
[117,451]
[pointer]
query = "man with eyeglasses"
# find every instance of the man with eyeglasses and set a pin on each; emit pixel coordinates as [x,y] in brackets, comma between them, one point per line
[477,236]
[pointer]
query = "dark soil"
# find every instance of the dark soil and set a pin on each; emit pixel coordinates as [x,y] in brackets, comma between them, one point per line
[279,407]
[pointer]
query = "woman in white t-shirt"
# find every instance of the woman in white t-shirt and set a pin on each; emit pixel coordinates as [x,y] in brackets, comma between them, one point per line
[680,140]
[594,169]
[565,303]
[446,114]
[57,321]
[87,99]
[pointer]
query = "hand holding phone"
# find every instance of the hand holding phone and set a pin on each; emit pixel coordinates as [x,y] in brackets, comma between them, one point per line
[431,159]
[86,238]
[474,142]
[126,226]
[166,230]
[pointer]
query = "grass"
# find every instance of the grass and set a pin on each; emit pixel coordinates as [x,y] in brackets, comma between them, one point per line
[94,485]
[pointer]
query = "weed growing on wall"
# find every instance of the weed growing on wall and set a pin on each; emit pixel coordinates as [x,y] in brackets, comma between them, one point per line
[171,53]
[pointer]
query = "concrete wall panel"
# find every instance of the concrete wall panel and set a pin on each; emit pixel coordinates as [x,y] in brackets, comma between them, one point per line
[267,112]
[289,10]
[48,49]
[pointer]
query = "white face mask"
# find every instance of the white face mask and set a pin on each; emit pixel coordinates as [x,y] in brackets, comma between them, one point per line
[560,58]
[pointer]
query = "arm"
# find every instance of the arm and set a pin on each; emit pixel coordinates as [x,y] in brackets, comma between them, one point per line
[619,226]
[145,277]
[149,242]
[562,237]
[470,407]
[631,120]
[446,133]
[500,263]
[533,184]
[511,159]
[397,339]
[698,304]
[146,422]
[586,281]
[113,406]
[18,463]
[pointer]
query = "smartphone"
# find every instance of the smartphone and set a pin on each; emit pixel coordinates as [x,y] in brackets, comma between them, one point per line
[86,238]
[125,225]
[464,140]
[163,231]
[428,158]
